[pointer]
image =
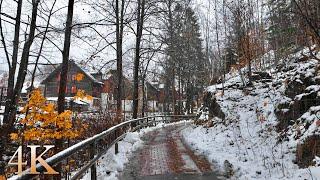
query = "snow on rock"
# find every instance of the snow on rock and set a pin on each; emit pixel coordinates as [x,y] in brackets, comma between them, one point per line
[307,125]
[317,160]
[248,138]
[248,142]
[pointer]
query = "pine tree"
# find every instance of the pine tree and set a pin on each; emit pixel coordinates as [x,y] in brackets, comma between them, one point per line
[185,57]
[282,29]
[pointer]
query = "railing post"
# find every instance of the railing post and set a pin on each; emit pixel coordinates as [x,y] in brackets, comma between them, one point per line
[130,127]
[116,148]
[139,125]
[93,167]
[147,122]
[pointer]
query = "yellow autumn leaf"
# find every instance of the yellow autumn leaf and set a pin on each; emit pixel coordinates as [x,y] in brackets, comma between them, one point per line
[13,136]
[49,108]
[43,123]
[79,77]
[67,168]
[80,94]
[89,97]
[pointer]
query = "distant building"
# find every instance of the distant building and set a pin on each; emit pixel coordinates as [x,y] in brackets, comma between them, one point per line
[91,83]
[102,87]
[3,88]
[165,97]
[152,95]
[109,94]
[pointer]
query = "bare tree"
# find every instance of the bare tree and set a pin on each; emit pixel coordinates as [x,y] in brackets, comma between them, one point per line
[64,71]
[14,90]
[140,19]
[119,10]
[41,45]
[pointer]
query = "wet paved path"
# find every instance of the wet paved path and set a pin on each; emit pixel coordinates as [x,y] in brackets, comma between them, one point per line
[164,156]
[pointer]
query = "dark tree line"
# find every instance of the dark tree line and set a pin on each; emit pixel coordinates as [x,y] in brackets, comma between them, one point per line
[186,69]
[247,29]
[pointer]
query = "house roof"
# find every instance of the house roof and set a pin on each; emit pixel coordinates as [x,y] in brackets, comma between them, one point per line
[151,86]
[113,76]
[79,101]
[78,66]
[127,85]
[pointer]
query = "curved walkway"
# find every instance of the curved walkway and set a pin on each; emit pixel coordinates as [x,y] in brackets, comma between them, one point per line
[164,156]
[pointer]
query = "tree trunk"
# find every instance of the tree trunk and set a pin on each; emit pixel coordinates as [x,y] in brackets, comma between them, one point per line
[11,112]
[172,68]
[9,104]
[119,36]
[136,66]
[41,46]
[144,98]
[140,17]
[64,72]
[173,91]
[180,94]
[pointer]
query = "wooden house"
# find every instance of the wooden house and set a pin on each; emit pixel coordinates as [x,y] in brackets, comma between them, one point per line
[90,83]
[165,98]
[152,95]
[109,92]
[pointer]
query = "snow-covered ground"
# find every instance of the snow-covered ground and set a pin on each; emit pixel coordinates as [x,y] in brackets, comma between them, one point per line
[247,138]
[251,158]
[110,164]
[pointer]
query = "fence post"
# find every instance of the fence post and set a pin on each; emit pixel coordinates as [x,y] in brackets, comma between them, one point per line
[139,125]
[93,167]
[116,148]
[147,123]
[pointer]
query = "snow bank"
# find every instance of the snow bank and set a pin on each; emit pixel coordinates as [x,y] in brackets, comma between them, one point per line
[249,143]
[247,138]
[110,164]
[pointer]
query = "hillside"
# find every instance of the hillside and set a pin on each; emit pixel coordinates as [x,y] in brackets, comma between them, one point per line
[267,130]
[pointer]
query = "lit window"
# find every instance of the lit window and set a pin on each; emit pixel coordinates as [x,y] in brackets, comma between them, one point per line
[73,89]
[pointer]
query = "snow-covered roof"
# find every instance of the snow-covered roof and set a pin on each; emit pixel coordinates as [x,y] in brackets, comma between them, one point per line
[161,86]
[27,85]
[84,71]
[87,72]
[77,101]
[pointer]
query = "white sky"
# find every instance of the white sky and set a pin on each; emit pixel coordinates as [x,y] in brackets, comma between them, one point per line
[91,42]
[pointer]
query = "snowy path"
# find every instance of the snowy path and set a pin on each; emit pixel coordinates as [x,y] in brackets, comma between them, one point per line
[164,156]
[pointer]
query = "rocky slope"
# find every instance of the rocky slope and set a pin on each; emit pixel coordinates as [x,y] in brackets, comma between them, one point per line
[268,130]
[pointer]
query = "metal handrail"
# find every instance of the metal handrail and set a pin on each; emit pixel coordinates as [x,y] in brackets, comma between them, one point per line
[59,157]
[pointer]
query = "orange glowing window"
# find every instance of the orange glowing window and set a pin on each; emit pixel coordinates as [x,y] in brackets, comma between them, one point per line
[73,89]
